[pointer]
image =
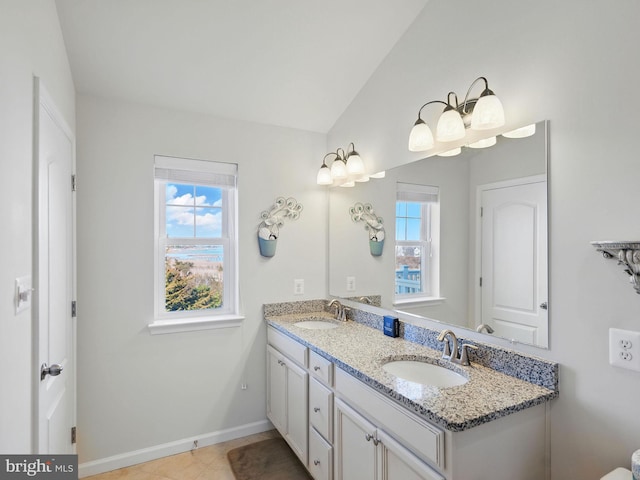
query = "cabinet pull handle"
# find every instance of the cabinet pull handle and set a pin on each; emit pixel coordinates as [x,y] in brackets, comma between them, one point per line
[368,437]
[316,462]
[316,368]
[316,409]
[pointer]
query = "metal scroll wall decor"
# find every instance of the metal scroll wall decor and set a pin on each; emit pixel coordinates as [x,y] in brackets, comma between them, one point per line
[372,223]
[272,220]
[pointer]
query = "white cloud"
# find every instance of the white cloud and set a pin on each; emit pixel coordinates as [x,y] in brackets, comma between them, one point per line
[179,214]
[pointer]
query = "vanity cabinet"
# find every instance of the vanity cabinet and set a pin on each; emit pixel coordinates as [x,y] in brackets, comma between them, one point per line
[287,396]
[511,447]
[343,429]
[364,450]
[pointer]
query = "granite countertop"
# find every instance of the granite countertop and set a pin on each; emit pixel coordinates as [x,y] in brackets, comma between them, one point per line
[361,351]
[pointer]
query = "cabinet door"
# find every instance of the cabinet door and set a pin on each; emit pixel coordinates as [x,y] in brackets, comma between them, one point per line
[276,390]
[355,452]
[398,463]
[297,395]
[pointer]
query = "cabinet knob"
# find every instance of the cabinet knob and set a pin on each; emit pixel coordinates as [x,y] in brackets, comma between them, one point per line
[316,409]
[368,437]
[316,462]
[316,368]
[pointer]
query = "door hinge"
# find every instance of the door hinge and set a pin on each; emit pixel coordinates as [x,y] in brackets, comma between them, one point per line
[73,434]
[73,308]
[73,183]
[481,281]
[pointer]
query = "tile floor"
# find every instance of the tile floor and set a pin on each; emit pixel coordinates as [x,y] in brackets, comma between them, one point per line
[205,463]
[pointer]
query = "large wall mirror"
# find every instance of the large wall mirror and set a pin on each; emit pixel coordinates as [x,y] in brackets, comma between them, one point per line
[465,240]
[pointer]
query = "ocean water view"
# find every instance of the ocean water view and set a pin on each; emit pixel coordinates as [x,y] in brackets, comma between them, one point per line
[189,253]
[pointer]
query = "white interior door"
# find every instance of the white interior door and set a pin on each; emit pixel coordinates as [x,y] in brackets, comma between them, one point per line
[514,261]
[54,278]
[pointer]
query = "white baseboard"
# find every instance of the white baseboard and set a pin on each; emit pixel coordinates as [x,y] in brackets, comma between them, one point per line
[179,446]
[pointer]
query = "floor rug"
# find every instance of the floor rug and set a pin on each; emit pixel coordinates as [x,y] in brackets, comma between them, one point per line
[266,460]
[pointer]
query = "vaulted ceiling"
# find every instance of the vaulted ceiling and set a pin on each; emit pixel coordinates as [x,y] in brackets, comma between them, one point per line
[292,63]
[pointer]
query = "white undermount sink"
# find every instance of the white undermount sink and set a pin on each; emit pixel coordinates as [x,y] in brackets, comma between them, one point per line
[316,324]
[424,373]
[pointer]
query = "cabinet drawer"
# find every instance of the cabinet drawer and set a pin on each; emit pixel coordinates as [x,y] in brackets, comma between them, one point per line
[292,349]
[424,439]
[321,408]
[321,368]
[320,457]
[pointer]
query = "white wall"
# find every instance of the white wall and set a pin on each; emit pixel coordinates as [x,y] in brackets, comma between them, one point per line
[574,63]
[30,44]
[137,390]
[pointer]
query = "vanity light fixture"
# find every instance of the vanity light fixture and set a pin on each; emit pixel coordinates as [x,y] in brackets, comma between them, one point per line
[346,168]
[521,132]
[482,113]
[484,143]
[450,153]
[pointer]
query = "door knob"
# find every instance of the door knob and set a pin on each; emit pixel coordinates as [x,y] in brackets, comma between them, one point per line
[544,305]
[54,370]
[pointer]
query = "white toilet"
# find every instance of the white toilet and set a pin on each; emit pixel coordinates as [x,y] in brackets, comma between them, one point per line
[618,474]
[623,473]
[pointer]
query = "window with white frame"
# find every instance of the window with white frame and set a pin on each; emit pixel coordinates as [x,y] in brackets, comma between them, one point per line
[196,279]
[417,239]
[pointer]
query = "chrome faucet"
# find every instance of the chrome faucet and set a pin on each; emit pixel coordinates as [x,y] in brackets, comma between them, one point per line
[448,349]
[341,310]
[485,327]
[450,352]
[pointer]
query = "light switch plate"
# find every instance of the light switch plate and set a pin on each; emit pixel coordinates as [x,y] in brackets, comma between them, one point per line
[351,284]
[298,286]
[23,294]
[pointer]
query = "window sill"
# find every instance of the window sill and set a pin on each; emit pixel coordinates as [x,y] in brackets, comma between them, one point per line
[159,327]
[416,301]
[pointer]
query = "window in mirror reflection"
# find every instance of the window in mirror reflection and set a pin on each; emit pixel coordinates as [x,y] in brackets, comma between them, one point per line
[417,235]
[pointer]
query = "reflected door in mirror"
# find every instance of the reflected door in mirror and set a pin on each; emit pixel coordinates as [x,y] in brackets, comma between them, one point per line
[514,260]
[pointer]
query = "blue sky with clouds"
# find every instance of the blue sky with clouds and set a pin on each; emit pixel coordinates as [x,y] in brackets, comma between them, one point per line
[193,211]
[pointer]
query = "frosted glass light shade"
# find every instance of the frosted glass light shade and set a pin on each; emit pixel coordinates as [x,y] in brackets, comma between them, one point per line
[487,113]
[348,184]
[355,165]
[450,126]
[420,138]
[521,132]
[338,170]
[362,178]
[484,143]
[324,176]
[450,153]
[378,174]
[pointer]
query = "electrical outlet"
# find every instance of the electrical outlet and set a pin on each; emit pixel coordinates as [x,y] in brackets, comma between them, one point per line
[624,349]
[351,284]
[298,286]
